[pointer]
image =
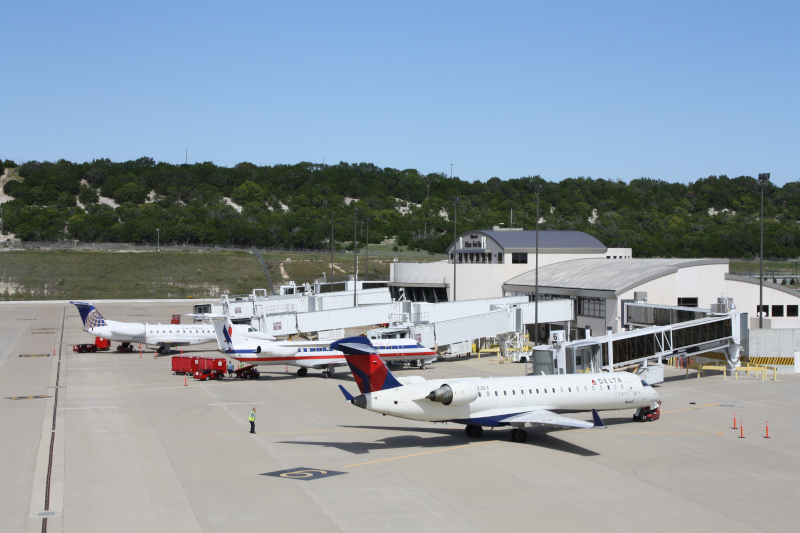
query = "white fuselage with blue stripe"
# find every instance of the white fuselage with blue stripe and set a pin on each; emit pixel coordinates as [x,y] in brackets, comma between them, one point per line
[501,398]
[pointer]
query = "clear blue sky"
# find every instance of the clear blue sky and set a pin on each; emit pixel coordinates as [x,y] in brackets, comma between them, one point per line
[667,90]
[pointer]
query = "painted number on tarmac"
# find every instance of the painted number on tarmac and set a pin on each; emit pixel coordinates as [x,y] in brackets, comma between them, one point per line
[34,355]
[303,474]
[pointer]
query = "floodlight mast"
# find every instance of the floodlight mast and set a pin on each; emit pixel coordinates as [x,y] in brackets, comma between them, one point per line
[537,188]
[455,243]
[762,180]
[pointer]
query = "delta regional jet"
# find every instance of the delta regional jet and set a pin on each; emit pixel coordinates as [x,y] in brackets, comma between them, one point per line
[319,355]
[162,335]
[538,401]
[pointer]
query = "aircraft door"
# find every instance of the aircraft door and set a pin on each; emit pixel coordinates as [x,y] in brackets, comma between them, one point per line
[630,394]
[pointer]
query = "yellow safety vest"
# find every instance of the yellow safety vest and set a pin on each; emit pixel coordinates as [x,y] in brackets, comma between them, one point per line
[252,417]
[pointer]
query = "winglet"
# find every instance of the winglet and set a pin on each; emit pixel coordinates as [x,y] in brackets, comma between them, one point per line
[347,395]
[598,423]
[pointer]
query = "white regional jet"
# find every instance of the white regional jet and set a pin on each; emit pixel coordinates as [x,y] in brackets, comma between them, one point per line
[508,401]
[162,335]
[248,349]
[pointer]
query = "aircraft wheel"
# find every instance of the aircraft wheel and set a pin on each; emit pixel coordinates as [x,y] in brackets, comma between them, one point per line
[477,431]
[326,374]
[302,371]
[522,435]
[468,430]
[513,435]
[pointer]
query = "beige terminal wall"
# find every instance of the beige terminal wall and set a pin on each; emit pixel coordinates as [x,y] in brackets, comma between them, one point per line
[475,280]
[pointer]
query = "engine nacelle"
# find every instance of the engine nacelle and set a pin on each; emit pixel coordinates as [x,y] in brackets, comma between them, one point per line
[458,393]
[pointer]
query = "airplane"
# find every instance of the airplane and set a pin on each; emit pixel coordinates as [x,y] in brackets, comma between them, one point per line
[165,336]
[318,355]
[506,401]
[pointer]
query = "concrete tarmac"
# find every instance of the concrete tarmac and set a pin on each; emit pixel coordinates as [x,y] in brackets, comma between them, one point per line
[133,449]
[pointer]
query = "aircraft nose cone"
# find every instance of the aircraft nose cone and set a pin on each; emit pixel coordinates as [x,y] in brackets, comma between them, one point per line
[360,401]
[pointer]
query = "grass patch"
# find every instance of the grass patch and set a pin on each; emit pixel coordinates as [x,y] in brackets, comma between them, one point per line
[94,274]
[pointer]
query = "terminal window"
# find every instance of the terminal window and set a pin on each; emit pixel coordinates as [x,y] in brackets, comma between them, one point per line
[791,310]
[762,309]
[593,307]
[777,310]
[687,302]
[519,258]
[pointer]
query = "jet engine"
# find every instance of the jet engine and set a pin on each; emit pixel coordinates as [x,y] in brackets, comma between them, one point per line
[458,393]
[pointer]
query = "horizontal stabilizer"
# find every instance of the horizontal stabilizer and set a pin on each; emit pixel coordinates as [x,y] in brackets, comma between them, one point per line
[354,346]
[549,418]
[347,395]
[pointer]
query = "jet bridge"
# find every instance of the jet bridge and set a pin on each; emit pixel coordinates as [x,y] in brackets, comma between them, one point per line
[683,333]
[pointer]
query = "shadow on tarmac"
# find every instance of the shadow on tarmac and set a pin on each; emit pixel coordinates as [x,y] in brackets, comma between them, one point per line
[444,438]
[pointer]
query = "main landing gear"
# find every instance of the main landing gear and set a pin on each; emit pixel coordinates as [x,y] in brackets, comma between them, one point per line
[327,374]
[471,430]
[518,435]
[302,371]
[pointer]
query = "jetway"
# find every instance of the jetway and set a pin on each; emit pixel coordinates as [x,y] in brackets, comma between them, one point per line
[432,325]
[725,332]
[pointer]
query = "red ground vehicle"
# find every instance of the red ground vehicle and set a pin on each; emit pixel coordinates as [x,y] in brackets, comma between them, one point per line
[182,364]
[647,415]
[99,344]
[209,367]
[247,372]
[125,347]
[176,319]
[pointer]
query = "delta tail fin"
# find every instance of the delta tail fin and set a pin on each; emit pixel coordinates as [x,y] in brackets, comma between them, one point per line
[91,317]
[369,370]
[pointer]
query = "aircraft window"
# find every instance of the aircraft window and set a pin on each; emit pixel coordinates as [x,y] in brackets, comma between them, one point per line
[592,387]
[545,391]
[514,392]
[537,391]
[479,394]
[569,389]
[615,386]
[562,389]
[554,390]
[495,393]
[584,388]
[522,391]
[505,393]
[530,391]
[609,387]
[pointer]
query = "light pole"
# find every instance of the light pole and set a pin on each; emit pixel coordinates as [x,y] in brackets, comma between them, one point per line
[451,170]
[355,257]
[367,249]
[158,240]
[455,244]
[762,180]
[332,216]
[537,188]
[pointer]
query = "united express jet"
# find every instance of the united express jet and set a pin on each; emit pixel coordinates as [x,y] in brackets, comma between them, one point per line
[537,401]
[162,335]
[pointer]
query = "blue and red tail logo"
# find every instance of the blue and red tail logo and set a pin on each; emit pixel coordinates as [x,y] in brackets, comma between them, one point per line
[369,370]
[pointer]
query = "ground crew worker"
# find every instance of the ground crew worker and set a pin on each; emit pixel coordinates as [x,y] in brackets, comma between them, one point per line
[253,421]
[230,369]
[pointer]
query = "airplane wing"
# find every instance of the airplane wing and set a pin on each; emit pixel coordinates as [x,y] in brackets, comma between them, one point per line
[549,418]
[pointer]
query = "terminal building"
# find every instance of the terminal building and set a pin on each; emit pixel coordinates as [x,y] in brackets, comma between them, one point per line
[598,280]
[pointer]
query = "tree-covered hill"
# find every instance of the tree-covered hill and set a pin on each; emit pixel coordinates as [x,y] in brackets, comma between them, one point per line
[292,206]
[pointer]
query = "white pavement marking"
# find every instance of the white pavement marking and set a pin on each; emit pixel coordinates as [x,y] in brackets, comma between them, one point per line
[240,403]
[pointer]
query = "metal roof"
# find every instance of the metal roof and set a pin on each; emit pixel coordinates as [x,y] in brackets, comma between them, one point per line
[606,275]
[549,241]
